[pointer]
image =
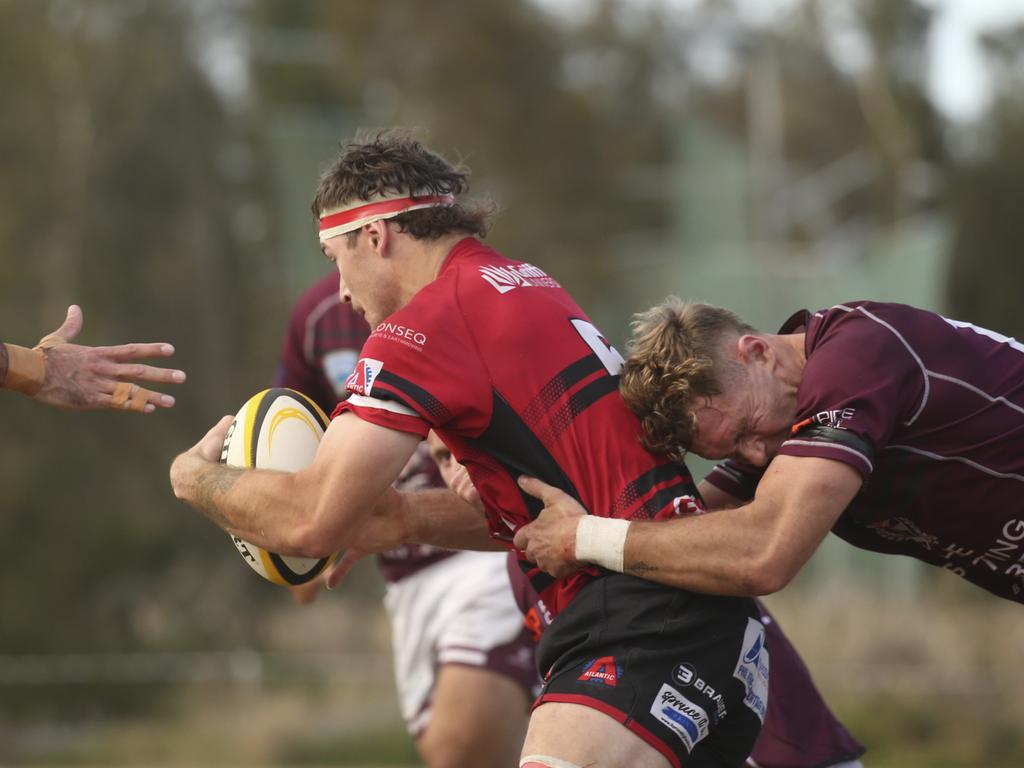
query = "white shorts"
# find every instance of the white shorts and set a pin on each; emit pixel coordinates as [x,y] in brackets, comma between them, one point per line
[457,611]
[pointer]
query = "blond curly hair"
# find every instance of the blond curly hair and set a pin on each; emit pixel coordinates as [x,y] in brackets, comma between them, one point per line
[677,359]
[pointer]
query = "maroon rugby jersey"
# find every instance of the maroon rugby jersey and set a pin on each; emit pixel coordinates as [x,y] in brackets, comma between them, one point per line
[497,358]
[319,352]
[930,412]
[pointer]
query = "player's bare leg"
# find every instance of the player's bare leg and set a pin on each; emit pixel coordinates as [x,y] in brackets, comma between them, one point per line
[478,718]
[582,736]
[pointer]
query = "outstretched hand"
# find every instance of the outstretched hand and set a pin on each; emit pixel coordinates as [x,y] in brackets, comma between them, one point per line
[91,378]
[550,540]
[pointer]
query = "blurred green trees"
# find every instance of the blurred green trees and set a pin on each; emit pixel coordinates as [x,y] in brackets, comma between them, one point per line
[171,200]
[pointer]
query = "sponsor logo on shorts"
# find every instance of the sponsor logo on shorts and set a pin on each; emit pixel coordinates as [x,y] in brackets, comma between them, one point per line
[362,378]
[603,671]
[508,277]
[686,675]
[752,668]
[685,719]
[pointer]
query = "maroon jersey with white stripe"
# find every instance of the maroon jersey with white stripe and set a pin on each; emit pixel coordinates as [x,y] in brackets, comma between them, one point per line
[930,412]
[502,363]
[318,354]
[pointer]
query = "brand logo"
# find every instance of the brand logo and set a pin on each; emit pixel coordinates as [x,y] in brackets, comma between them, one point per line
[752,655]
[902,529]
[752,668]
[284,415]
[363,377]
[685,719]
[834,418]
[243,549]
[338,366]
[603,671]
[398,332]
[505,278]
[685,675]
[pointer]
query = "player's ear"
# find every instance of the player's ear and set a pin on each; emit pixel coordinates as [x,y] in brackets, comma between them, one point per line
[379,235]
[753,349]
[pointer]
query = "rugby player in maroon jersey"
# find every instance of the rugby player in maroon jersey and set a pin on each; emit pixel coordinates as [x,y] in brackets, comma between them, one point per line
[499,360]
[898,429]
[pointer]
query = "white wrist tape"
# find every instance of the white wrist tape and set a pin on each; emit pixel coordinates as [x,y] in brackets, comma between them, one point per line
[601,540]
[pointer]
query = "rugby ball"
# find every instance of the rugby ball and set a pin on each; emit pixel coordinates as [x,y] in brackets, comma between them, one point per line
[276,429]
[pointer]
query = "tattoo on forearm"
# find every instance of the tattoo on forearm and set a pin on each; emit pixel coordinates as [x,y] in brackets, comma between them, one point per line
[4,363]
[211,487]
[640,568]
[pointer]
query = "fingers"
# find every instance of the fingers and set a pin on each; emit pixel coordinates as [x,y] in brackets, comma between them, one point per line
[341,568]
[132,397]
[541,490]
[210,447]
[68,330]
[123,352]
[521,540]
[148,373]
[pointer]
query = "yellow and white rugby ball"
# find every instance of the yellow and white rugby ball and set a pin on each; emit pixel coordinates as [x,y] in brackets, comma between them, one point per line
[276,429]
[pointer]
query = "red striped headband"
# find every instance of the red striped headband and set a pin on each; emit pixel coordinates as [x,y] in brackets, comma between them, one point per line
[348,218]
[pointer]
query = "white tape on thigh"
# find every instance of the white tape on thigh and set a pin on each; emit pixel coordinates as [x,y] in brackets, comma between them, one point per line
[601,540]
[531,761]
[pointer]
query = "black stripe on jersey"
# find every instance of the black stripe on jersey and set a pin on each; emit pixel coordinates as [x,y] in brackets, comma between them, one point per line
[580,401]
[426,401]
[648,481]
[509,441]
[819,433]
[559,384]
[593,392]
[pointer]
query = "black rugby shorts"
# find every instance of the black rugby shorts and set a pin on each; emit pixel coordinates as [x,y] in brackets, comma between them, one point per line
[687,673]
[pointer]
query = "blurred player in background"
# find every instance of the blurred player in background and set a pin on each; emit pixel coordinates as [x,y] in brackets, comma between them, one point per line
[899,430]
[464,661]
[64,375]
[500,361]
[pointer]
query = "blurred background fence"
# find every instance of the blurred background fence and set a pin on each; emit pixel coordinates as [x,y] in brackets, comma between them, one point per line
[157,160]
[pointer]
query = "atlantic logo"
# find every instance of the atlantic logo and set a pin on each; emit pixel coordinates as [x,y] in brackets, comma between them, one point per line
[505,279]
[362,378]
[604,671]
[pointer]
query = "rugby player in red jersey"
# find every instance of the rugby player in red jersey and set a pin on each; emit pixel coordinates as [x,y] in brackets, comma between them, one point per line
[495,357]
[898,429]
[464,662]
[64,375]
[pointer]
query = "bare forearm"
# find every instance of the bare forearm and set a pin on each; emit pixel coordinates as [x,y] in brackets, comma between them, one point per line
[263,507]
[723,553]
[3,364]
[443,519]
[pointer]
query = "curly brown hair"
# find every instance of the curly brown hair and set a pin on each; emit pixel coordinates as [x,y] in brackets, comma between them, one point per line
[677,360]
[393,162]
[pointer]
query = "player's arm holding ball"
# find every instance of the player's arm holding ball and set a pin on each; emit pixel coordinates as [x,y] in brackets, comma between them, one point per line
[311,513]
